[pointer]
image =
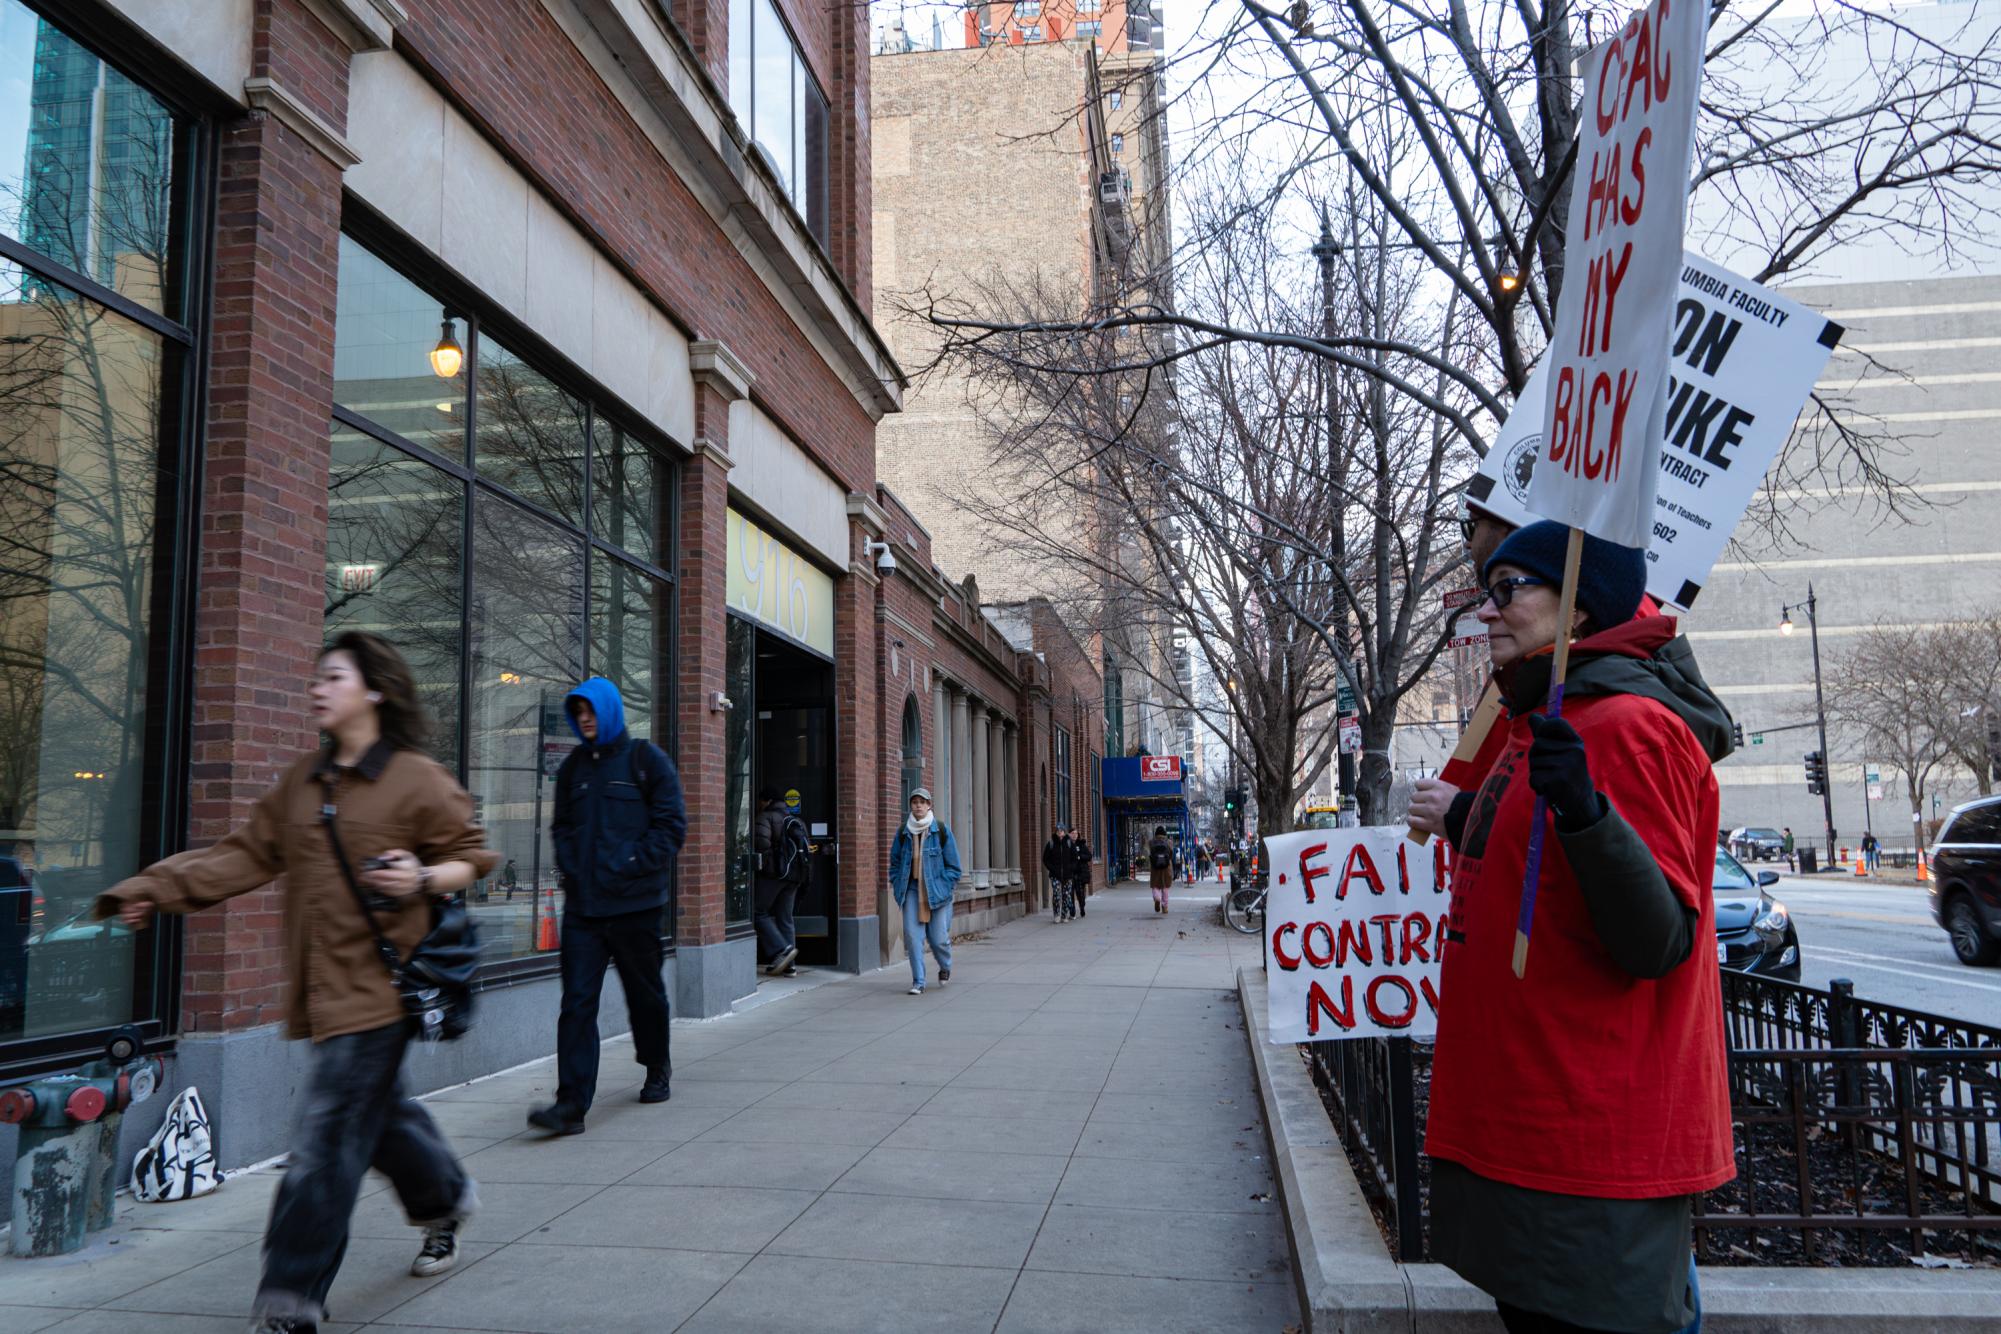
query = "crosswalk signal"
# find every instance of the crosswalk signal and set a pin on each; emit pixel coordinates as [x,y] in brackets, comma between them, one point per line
[1816,772]
[1737,735]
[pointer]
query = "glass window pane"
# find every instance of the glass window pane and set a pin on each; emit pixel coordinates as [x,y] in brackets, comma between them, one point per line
[629,493]
[385,330]
[530,435]
[741,685]
[772,87]
[526,629]
[630,622]
[86,160]
[739,89]
[80,476]
[395,527]
[798,134]
[814,163]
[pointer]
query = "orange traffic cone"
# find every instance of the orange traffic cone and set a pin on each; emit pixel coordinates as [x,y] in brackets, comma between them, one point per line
[1924,872]
[545,924]
[1861,867]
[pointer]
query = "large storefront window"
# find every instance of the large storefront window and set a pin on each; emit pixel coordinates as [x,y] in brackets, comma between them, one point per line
[460,529]
[94,368]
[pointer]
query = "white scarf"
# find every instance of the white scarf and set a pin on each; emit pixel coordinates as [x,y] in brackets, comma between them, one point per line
[918,829]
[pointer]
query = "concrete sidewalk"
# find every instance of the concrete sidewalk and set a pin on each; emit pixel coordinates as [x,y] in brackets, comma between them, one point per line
[1065,1138]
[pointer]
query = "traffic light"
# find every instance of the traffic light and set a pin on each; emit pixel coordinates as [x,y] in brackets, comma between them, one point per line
[1816,772]
[1737,735]
[1233,800]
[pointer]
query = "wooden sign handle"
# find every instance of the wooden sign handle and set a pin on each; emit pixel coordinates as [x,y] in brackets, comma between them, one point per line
[1485,714]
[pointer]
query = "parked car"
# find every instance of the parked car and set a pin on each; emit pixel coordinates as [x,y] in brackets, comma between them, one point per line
[1966,881]
[1757,845]
[1754,932]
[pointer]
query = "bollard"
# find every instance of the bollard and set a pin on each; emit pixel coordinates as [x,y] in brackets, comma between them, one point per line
[65,1170]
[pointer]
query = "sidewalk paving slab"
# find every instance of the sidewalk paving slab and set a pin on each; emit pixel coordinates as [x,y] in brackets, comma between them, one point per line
[1065,1138]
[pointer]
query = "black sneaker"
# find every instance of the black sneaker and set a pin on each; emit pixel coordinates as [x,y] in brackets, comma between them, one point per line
[783,961]
[285,1324]
[656,1085]
[440,1251]
[557,1119]
[944,976]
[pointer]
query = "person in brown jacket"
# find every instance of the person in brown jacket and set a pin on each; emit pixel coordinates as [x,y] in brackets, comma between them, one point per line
[404,815]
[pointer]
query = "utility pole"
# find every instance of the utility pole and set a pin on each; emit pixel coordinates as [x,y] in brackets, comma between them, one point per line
[1327,250]
[1812,608]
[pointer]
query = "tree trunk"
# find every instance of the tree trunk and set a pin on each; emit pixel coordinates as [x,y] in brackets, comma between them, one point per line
[1375,777]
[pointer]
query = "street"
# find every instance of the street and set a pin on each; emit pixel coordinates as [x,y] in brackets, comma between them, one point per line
[1883,939]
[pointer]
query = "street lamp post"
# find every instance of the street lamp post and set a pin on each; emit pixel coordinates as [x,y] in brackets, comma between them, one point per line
[1812,607]
[1326,250]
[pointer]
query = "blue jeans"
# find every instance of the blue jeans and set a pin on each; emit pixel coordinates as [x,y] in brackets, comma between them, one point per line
[938,932]
[1694,1295]
[356,1116]
[773,920]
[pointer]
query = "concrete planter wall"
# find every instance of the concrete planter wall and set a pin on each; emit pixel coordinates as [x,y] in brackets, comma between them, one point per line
[1348,1284]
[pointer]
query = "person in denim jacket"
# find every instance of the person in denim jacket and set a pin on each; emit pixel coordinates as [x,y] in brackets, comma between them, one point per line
[923,872]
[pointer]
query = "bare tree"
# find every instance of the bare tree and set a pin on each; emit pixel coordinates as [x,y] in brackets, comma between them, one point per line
[1967,657]
[1890,702]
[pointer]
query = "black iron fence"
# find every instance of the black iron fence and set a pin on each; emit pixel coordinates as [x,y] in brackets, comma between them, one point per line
[1852,1119]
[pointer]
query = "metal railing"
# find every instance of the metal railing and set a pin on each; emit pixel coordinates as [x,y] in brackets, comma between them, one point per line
[1848,1115]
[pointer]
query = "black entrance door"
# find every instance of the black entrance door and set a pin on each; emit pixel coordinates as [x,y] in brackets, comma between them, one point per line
[795,745]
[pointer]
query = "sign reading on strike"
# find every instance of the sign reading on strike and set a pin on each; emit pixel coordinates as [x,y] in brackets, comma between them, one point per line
[1607,396]
[1356,917]
[1742,363]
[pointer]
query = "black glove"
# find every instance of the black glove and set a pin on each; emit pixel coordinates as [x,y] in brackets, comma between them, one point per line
[1559,773]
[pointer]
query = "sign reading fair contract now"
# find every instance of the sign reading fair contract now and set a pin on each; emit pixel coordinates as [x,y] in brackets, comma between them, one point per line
[1742,361]
[1355,919]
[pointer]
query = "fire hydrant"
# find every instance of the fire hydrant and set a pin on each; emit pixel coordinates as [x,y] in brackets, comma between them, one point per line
[65,1172]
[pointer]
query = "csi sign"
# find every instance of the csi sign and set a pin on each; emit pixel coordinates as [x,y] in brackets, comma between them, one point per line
[1160,769]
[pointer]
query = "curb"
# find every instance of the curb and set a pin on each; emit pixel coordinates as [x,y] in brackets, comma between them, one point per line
[1348,1284]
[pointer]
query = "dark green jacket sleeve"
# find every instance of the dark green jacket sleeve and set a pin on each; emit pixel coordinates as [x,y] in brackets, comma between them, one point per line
[1646,929]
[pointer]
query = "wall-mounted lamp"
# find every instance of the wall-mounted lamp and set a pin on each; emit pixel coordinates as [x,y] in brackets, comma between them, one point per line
[447,356]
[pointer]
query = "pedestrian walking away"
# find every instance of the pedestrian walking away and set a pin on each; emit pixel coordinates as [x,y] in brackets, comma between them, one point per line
[1582,1221]
[408,827]
[1792,863]
[510,878]
[1080,872]
[784,866]
[923,873]
[618,824]
[1160,864]
[1056,862]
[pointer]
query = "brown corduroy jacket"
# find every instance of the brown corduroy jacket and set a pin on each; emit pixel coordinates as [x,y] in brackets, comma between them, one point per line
[392,799]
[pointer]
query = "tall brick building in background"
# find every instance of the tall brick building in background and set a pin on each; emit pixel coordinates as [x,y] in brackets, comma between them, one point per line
[1033,158]
[540,344]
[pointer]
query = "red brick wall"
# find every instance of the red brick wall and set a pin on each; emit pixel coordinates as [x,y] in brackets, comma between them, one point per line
[516,75]
[264,497]
[703,593]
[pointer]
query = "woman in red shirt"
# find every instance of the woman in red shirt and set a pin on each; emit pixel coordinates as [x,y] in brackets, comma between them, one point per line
[1577,1111]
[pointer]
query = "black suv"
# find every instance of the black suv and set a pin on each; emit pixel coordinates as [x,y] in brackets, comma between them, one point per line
[1966,880]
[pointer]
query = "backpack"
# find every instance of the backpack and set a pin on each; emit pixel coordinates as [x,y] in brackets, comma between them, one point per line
[1163,858]
[793,856]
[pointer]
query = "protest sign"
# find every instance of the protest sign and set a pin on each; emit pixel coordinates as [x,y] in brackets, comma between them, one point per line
[1742,362]
[1356,917]
[1607,399]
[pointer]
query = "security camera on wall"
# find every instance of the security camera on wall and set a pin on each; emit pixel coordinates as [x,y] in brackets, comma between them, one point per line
[885,559]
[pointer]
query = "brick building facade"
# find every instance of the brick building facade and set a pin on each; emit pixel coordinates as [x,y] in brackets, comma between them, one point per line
[540,344]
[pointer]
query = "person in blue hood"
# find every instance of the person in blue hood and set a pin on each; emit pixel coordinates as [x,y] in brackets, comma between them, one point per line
[618,825]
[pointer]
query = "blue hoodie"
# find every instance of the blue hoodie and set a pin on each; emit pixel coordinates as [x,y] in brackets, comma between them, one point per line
[619,815]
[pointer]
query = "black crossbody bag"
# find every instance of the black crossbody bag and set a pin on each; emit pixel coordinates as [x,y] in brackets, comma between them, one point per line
[435,982]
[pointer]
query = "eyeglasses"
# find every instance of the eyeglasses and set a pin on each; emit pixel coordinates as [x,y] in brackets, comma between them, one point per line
[1466,531]
[1502,591]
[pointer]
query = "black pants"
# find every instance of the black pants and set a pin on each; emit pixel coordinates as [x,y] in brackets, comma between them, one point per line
[632,942]
[355,1117]
[773,920]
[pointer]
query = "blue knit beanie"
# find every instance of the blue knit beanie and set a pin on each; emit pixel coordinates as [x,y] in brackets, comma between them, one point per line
[1611,579]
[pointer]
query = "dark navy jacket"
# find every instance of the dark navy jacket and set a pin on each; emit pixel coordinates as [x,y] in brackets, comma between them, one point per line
[614,846]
